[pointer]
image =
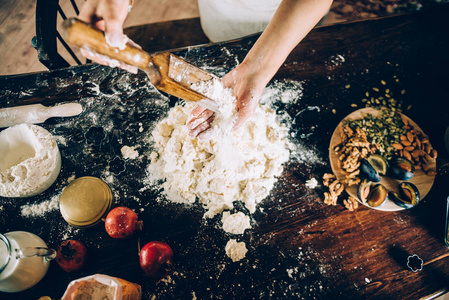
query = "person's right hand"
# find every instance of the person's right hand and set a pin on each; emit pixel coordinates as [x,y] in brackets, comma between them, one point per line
[108,16]
[247,84]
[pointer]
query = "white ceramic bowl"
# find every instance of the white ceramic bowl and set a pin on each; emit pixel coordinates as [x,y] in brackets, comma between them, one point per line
[30,160]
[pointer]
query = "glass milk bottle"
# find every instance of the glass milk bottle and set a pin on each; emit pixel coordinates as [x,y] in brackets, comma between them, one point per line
[24,260]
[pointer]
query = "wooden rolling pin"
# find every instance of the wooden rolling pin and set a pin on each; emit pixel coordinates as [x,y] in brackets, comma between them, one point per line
[167,72]
[36,113]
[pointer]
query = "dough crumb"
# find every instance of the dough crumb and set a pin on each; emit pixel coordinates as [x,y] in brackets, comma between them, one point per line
[236,223]
[235,250]
[311,183]
[129,152]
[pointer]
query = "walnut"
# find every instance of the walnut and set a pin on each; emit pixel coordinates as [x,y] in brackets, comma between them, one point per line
[350,151]
[351,203]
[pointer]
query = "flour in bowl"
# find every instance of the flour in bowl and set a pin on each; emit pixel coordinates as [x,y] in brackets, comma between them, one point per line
[29,160]
[239,165]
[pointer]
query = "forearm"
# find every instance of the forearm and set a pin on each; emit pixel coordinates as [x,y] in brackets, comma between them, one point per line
[290,24]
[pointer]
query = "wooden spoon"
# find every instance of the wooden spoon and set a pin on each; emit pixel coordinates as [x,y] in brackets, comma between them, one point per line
[167,72]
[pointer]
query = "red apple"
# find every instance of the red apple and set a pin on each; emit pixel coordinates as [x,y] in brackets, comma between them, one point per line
[71,255]
[121,222]
[156,259]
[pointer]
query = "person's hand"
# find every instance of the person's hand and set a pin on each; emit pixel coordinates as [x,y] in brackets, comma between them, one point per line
[108,16]
[200,122]
[247,86]
[290,24]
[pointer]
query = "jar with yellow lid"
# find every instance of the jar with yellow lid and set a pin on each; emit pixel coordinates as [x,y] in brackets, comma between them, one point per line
[85,201]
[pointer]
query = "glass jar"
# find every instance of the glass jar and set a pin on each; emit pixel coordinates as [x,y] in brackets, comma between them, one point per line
[24,260]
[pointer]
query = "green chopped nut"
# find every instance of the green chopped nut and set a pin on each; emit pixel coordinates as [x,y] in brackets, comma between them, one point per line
[385,130]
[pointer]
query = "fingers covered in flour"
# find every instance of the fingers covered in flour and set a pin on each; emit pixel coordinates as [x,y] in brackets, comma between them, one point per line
[246,106]
[247,86]
[108,16]
[198,110]
[200,122]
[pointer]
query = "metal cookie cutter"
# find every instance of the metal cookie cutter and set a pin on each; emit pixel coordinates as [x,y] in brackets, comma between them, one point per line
[414,263]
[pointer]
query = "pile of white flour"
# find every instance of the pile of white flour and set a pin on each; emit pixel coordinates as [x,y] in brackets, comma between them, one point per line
[239,165]
[29,160]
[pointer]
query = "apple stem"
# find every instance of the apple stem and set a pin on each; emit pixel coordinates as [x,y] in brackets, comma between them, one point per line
[139,225]
[138,246]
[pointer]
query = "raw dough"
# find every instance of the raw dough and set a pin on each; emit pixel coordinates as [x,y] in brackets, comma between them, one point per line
[232,165]
[235,250]
[311,183]
[129,152]
[236,223]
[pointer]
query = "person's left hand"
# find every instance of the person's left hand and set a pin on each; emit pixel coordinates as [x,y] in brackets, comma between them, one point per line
[108,16]
[247,88]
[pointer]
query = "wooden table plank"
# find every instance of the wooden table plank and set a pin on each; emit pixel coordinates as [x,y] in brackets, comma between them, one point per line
[299,247]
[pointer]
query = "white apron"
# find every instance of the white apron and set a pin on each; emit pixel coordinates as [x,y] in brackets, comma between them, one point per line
[224,20]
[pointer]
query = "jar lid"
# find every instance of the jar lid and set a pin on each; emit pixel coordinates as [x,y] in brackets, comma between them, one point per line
[85,201]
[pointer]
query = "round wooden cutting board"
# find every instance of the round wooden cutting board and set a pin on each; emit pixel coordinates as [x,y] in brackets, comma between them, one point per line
[422,181]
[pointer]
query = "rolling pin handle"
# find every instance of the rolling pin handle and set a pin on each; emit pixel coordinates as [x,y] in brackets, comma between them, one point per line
[83,35]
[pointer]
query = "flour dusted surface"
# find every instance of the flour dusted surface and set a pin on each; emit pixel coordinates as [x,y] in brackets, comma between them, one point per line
[232,165]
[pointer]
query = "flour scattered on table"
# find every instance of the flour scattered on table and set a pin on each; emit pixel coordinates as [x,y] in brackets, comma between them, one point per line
[69,232]
[335,60]
[311,183]
[235,250]
[129,152]
[41,208]
[292,271]
[61,140]
[236,223]
[287,91]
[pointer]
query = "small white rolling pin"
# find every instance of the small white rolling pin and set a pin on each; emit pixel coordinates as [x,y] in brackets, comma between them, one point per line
[36,113]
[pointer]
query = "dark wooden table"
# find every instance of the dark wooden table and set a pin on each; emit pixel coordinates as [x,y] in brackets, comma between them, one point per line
[298,247]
